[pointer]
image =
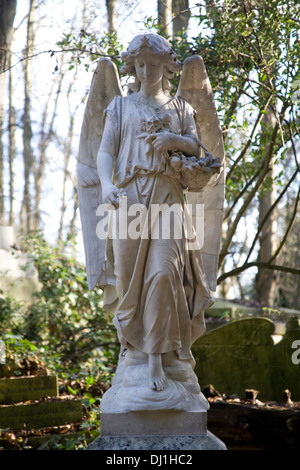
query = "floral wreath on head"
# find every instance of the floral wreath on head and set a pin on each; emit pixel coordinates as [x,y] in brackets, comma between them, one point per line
[158,45]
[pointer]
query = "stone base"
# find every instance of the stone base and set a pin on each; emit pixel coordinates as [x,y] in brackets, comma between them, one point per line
[154,423]
[155,430]
[135,417]
[137,443]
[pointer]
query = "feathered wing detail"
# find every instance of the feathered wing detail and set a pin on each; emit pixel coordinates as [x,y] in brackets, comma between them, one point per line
[104,87]
[195,88]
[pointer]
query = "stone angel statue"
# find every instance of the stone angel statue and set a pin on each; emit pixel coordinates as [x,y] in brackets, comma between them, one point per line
[143,157]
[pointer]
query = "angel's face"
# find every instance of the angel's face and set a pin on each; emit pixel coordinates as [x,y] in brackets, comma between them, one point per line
[149,69]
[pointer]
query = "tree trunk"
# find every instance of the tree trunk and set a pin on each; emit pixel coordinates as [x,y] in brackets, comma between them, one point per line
[7,15]
[164,9]
[296,303]
[111,15]
[27,209]
[67,155]
[266,279]
[181,15]
[12,150]
[46,132]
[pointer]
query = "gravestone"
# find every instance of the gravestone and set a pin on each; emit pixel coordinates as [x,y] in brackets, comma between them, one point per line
[20,389]
[55,412]
[242,355]
[34,403]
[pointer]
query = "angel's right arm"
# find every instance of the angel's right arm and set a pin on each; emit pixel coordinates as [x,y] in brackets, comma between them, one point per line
[107,151]
[105,164]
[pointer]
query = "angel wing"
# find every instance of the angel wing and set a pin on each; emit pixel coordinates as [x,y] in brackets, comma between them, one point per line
[104,87]
[194,87]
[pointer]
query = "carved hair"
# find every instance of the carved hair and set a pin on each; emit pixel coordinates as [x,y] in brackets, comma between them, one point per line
[157,45]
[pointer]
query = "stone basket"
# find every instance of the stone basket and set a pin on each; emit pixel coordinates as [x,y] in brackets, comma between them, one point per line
[194,173]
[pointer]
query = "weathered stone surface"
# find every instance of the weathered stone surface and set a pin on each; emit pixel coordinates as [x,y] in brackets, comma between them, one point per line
[235,356]
[40,415]
[163,423]
[242,355]
[130,389]
[20,389]
[155,430]
[207,442]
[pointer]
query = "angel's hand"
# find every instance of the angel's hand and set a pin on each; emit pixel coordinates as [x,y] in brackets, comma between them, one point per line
[87,176]
[161,141]
[110,194]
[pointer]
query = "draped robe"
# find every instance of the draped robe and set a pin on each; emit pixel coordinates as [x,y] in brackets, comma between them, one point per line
[155,283]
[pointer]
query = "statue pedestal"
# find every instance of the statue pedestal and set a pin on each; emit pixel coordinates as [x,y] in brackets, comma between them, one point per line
[135,417]
[155,430]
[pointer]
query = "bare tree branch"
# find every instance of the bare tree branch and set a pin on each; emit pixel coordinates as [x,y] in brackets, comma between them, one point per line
[289,227]
[269,212]
[59,51]
[248,143]
[232,230]
[257,264]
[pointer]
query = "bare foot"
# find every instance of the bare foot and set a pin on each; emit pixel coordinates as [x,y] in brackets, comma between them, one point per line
[156,372]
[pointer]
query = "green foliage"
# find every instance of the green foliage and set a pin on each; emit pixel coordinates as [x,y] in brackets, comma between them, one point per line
[65,332]
[251,53]
[66,316]
[9,310]
[22,357]
[66,319]
[86,47]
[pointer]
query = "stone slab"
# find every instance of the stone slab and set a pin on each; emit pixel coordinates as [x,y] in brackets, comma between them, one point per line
[40,415]
[183,443]
[21,389]
[242,355]
[156,422]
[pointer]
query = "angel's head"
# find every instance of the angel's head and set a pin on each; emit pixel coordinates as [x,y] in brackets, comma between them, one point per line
[159,47]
